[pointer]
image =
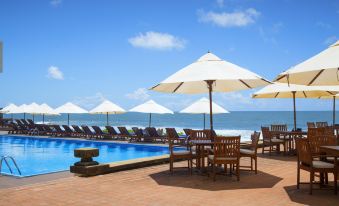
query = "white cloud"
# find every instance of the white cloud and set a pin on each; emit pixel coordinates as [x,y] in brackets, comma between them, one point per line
[237,97]
[139,94]
[220,3]
[330,40]
[55,2]
[90,102]
[232,19]
[55,73]
[156,40]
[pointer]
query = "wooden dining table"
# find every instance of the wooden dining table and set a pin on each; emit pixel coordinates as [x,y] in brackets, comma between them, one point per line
[201,146]
[289,136]
[330,150]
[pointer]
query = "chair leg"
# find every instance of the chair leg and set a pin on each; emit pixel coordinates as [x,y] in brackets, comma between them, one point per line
[298,177]
[251,163]
[270,150]
[256,165]
[311,181]
[238,172]
[263,148]
[171,166]
[335,174]
[213,169]
[191,166]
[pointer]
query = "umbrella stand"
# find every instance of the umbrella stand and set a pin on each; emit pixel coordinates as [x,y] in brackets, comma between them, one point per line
[294,112]
[150,120]
[333,110]
[107,118]
[204,120]
[209,84]
[68,119]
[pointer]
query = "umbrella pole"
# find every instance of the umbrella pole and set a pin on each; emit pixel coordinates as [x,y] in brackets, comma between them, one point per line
[43,118]
[294,112]
[150,120]
[33,117]
[68,119]
[333,110]
[209,83]
[107,118]
[204,120]
[24,116]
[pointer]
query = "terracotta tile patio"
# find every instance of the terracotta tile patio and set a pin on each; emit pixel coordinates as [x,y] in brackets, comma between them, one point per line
[273,185]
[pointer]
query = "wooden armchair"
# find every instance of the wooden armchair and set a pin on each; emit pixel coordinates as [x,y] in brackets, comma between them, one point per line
[311,125]
[226,151]
[271,142]
[251,153]
[321,124]
[306,162]
[173,141]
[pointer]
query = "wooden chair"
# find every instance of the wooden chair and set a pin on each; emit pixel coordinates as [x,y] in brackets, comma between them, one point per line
[251,153]
[306,162]
[279,127]
[271,142]
[311,125]
[321,124]
[226,151]
[174,142]
[187,132]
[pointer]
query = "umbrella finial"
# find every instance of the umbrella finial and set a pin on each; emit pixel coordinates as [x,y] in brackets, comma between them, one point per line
[208,51]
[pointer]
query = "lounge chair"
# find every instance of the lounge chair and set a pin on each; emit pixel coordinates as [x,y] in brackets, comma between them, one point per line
[89,134]
[59,132]
[125,134]
[101,134]
[113,132]
[79,131]
[69,131]
[152,132]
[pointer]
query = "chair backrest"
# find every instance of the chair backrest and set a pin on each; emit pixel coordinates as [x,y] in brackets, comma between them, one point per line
[255,140]
[187,132]
[123,131]
[172,139]
[67,128]
[266,134]
[328,130]
[30,121]
[138,132]
[321,124]
[77,129]
[311,125]
[226,147]
[87,130]
[111,130]
[172,132]
[321,140]
[279,127]
[97,130]
[58,128]
[151,131]
[304,151]
[200,135]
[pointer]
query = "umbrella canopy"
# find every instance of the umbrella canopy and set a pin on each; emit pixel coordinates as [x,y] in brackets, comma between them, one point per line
[202,107]
[151,107]
[22,109]
[70,108]
[9,108]
[321,69]
[107,107]
[283,90]
[210,74]
[33,109]
[47,110]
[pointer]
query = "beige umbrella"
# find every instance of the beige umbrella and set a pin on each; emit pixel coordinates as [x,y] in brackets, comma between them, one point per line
[283,90]
[334,97]
[151,107]
[107,108]
[45,109]
[202,107]
[9,109]
[321,69]
[70,108]
[210,74]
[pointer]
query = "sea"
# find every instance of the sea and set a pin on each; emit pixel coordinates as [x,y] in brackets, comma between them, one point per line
[234,123]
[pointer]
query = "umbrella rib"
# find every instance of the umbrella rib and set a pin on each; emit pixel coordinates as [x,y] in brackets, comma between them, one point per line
[331,93]
[276,95]
[155,86]
[304,94]
[266,81]
[178,87]
[245,84]
[283,76]
[316,76]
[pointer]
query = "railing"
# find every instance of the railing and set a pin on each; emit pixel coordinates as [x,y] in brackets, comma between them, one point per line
[5,159]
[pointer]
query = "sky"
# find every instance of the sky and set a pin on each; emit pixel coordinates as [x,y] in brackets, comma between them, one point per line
[86,51]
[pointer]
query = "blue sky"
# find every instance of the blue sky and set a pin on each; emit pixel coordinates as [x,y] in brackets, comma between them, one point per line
[86,51]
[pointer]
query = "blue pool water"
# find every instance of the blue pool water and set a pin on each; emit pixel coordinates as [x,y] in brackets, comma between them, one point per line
[36,155]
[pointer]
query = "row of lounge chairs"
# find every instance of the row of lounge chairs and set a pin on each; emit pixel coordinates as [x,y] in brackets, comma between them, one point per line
[149,134]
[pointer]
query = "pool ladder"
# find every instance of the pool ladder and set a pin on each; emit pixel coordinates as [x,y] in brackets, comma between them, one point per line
[5,159]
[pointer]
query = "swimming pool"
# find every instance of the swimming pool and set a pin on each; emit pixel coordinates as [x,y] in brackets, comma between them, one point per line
[36,155]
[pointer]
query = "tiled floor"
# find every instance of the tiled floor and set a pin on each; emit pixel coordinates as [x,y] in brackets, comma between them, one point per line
[273,185]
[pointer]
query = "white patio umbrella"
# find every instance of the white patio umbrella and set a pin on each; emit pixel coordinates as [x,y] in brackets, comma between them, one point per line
[210,74]
[202,106]
[321,69]
[33,109]
[22,109]
[283,90]
[70,108]
[45,109]
[151,107]
[9,109]
[107,108]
